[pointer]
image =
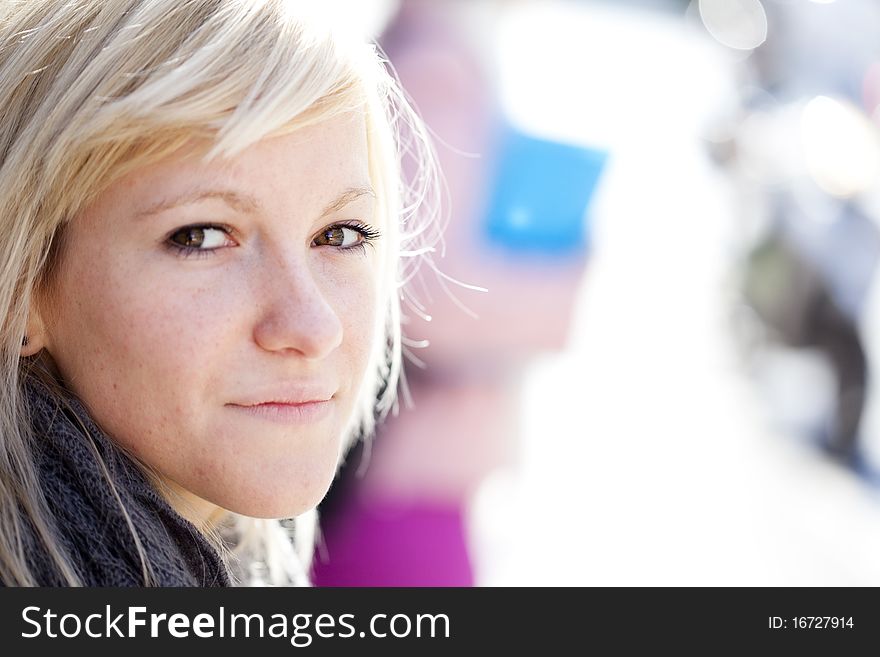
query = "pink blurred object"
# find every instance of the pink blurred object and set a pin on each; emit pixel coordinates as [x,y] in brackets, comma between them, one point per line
[392,543]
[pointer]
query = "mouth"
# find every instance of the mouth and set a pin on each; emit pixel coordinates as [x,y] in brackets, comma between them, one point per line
[287,412]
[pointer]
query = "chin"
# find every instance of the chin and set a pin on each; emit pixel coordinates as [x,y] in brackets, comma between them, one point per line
[275,511]
[284,504]
[283,485]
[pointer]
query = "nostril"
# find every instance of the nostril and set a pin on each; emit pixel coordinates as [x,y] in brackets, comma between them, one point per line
[312,329]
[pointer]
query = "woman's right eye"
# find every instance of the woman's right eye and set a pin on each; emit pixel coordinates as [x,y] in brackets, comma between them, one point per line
[200,238]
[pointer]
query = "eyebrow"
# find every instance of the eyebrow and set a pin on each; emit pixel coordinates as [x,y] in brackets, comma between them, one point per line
[349,195]
[245,202]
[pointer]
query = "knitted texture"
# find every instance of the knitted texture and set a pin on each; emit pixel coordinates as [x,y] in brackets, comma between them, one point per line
[90,522]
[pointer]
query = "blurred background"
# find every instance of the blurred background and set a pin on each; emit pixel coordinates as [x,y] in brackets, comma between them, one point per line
[671,378]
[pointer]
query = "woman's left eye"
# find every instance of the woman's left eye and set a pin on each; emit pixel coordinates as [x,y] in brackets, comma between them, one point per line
[345,236]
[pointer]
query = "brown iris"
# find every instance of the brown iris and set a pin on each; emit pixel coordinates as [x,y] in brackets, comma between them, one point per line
[189,237]
[334,236]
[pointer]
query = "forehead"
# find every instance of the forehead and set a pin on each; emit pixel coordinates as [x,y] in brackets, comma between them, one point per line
[308,167]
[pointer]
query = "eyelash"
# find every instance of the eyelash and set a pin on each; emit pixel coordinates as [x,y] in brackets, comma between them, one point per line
[367,232]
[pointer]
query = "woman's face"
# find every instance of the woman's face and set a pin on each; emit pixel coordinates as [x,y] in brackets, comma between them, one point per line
[217,319]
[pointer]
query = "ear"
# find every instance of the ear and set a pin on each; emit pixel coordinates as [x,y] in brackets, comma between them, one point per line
[35,337]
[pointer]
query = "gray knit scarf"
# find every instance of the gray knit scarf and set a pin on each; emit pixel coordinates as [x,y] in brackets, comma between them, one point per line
[90,523]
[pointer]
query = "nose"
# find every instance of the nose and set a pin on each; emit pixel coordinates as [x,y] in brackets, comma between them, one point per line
[296,316]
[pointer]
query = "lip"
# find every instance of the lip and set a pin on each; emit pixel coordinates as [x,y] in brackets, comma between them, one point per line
[291,403]
[304,412]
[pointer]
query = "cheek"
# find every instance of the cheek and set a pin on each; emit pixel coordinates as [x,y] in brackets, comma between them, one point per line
[354,298]
[135,344]
[125,320]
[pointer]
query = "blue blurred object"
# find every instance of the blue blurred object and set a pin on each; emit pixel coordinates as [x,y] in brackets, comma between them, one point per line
[541,193]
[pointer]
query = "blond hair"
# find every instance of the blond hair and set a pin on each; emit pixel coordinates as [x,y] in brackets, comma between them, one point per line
[93,89]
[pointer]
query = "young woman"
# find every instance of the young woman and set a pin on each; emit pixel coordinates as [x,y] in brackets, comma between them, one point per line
[201,219]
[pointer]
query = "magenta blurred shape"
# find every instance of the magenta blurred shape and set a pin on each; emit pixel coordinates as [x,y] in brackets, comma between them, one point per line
[394,543]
